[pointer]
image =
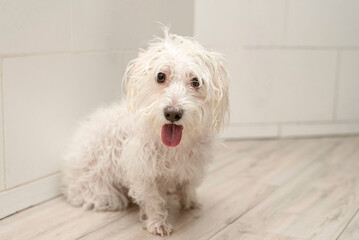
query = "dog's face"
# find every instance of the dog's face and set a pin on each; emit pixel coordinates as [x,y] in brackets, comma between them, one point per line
[179,89]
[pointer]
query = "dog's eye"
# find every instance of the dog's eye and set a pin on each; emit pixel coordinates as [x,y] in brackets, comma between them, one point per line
[161,77]
[195,82]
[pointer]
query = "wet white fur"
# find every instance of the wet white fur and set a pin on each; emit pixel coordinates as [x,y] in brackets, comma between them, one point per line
[117,155]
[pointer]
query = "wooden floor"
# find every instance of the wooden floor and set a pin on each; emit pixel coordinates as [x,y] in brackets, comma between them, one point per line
[290,189]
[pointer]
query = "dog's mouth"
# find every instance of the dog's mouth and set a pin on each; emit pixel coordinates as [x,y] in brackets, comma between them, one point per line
[171,134]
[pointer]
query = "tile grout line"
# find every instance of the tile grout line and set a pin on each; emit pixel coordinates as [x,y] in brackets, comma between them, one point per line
[3,118]
[37,54]
[336,85]
[71,25]
[34,180]
[304,122]
[285,25]
[298,47]
[333,146]
[348,223]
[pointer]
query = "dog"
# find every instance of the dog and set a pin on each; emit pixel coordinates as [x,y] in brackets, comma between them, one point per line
[159,137]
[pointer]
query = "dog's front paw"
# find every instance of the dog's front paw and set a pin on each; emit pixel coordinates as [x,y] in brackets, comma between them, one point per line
[162,229]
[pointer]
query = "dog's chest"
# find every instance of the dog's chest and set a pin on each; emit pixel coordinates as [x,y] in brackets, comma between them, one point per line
[180,166]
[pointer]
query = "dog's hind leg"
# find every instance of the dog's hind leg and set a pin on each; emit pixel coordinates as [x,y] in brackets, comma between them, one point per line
[97,195]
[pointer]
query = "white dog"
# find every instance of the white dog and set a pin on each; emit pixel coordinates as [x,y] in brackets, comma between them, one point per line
[159,138]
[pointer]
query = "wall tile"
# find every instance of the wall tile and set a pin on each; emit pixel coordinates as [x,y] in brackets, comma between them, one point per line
[281,85]
[127,24]
[232,22]
[180,15]
[348,86]
[112,24]
[323,23]
[34,26]
[44,97]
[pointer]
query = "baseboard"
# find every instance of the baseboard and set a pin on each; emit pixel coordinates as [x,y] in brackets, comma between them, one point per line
[28,195]
[284,130]
[306,130]
[237,131]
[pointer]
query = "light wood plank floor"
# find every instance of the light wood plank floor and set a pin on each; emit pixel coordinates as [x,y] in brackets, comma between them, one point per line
[291,189]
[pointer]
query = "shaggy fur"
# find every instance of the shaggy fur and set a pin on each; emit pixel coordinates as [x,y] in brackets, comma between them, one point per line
[117,155]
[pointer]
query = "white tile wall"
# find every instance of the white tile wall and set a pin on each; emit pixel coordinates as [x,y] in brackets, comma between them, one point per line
[234,23]
[287,78]
[348,86]
[323,23]
[34,26]
[282,85]
[44,100]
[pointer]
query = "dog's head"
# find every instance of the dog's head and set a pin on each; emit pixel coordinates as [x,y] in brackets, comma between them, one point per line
[178,88]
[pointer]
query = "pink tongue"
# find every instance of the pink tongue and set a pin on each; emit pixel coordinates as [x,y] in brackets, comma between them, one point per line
[171,135]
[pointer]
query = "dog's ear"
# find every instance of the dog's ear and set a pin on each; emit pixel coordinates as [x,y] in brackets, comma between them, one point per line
[128,81]
[127,75]
[220,91]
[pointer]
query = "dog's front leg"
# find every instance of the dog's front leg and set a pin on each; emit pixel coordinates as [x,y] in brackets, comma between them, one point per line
[153,209]
[187,195]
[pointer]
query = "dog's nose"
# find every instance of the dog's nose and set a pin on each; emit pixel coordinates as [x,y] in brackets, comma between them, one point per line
[172,114]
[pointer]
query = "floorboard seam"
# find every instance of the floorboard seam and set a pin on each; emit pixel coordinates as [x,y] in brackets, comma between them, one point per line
[32,206]
[348,223]
[102,226]
[220,230]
